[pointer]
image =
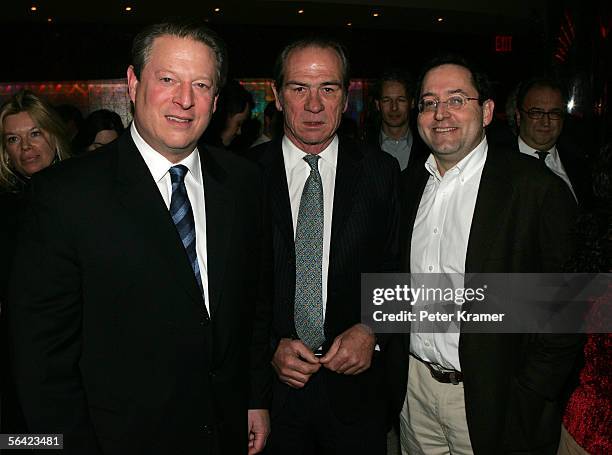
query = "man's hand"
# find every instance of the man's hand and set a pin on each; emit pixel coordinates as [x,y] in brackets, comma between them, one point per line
[259,429]
[294,362]
[351,351]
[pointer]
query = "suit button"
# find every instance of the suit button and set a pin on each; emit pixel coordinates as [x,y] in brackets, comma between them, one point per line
[206,429]
[212,374]
[205,321]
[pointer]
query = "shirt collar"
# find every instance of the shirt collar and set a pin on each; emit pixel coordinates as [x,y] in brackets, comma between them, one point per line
[524,148]
[384,137]
[472,163]
[294,156]
[158,165]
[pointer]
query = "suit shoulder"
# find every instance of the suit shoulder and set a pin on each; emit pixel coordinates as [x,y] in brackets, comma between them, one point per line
[527,173]
[230,161]
[372,154]
[77,170]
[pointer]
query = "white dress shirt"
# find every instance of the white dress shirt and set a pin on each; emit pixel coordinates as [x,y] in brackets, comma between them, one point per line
[159,166]
[297,171]
[552,161]
[440,241]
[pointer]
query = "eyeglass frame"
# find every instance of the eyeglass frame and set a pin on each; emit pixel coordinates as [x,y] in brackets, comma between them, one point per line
[421,110]
[540,113]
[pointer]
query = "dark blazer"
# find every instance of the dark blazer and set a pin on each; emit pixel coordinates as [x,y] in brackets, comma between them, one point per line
[11,416]
[418,151]
[578,172]
[576,167]
[114,347]
[364,238]
[512,382]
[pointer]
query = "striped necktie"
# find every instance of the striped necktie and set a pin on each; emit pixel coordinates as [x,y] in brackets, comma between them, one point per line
[182,215]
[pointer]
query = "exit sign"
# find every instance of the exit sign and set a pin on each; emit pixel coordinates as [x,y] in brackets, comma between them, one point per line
[503,43]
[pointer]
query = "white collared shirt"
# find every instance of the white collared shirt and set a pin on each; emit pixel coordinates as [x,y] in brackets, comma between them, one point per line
[552,161]
[440,240]
[297,171]
[194,182]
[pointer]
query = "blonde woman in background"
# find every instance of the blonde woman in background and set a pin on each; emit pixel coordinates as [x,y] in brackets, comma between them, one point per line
[33,138]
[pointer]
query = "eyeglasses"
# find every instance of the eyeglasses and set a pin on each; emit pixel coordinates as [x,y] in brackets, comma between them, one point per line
[537,114]
[453,103]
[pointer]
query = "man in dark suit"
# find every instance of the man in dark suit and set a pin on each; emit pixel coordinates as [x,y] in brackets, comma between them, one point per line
[470,208]
[394,133]
[138,305]
[541,107]
[334,207]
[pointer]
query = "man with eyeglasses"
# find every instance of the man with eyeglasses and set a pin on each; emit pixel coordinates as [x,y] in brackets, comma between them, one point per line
[471,207]
[540,113]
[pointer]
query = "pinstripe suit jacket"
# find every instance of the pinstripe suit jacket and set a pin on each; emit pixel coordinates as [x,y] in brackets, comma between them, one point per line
[364,238]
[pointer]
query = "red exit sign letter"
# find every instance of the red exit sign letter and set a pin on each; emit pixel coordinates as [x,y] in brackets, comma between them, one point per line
[503,43]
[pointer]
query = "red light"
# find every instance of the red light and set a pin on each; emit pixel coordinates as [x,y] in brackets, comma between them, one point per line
[503,43]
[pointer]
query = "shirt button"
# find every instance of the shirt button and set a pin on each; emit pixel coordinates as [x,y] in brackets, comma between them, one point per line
[435,230]
[426,343]
[430,268]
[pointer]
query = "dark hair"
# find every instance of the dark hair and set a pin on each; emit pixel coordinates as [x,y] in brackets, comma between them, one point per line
[233,99]
[97,121]
[478,78]
[319,42]
[70,113]
[180,28]
[393,75]
[540,81]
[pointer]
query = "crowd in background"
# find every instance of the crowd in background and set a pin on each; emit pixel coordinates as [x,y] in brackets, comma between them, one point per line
[35,135]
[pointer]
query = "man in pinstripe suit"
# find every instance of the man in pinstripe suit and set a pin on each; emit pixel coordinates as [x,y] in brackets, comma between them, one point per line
[329,396]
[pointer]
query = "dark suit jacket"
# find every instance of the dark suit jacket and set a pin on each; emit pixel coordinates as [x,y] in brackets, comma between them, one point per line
[575,166]
[418,151]
[364,238]
[512,382]
[113,344]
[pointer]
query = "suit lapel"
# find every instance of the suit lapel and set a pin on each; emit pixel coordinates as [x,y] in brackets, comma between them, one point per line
[278,190]
[413,184]
[492,204]
[139,194]
[348,169]
[220,211]
[572,167]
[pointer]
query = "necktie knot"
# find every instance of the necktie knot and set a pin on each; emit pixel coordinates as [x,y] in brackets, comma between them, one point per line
[312,161]
[177,173]
[542,155]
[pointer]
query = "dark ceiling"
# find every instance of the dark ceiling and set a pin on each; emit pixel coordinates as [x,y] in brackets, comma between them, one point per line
[457,15]
[68,40]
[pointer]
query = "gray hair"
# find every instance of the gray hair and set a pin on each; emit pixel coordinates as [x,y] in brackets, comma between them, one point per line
[180,28]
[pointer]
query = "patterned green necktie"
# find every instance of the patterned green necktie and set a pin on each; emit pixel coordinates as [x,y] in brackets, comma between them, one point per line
[308,310]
